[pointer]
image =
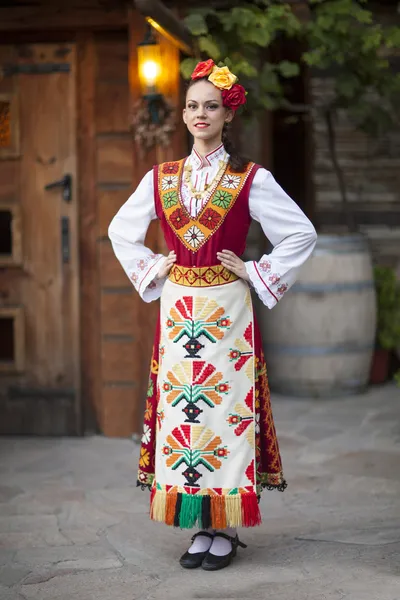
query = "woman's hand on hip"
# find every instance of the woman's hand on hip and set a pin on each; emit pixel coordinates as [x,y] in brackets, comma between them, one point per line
[230,261]
[167,264]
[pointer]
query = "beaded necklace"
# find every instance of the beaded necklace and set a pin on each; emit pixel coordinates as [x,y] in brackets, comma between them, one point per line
[188,180]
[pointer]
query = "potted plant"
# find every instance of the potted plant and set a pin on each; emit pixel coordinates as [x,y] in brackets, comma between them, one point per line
[388,322]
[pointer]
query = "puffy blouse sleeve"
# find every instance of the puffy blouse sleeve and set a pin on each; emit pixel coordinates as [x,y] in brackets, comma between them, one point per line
[290,232]
[127,232]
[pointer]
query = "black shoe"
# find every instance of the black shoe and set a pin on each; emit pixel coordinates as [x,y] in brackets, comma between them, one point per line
[214,563]
[193,561]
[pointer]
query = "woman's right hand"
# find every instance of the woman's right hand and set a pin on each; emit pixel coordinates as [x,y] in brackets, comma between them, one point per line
[166,267]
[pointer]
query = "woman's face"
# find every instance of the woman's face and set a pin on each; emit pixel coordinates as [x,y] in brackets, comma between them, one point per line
[204,113]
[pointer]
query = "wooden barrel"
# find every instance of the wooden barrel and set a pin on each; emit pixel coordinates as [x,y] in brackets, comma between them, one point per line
[320,338]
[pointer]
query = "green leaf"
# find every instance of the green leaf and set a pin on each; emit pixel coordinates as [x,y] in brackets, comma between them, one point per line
[288,69]
[280,17]
[228,62]
[257,35]
[392,37]
[243,67]
[244,16]
[373,39]
[397,377]
[326,21]
[388,304]
[348,86]
[196,24]
[316,57]
[269,79]
[208,45]
[226,21]
[268,102]
[187,67]
[205,11]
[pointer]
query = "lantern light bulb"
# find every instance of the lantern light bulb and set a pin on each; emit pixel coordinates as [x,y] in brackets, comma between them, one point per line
[150,71]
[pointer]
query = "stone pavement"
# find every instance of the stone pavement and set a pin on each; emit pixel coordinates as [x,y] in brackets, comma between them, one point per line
[73,526]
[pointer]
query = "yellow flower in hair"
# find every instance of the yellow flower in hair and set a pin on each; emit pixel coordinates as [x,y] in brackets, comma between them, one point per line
[222,78]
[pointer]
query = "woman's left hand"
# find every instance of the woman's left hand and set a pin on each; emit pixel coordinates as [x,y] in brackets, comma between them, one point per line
[230,261]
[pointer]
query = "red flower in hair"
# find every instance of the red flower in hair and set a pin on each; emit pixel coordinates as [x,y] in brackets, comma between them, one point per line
[234,97]
[203,69]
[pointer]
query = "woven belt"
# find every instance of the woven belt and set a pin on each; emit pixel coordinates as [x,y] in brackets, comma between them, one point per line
[201,276]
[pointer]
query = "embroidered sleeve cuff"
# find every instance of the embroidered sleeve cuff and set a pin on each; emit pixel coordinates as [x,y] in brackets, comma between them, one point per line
[263,289]
[153,290]
[148,287]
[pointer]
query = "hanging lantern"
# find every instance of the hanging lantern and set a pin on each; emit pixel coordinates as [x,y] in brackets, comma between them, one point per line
[149,59]
[153,116]
[149,63]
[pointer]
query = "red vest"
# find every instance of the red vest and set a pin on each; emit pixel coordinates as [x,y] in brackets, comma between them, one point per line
[222,224]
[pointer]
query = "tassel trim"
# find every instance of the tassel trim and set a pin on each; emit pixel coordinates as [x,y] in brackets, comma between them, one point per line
[272,481]
[204,511]
[145,480]
[281,487]
[143,486]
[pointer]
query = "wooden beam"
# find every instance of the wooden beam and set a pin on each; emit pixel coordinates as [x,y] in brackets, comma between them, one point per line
[52,16]
[165,22]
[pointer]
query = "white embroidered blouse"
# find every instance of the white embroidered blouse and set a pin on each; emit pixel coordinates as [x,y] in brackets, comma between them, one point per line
[290,232]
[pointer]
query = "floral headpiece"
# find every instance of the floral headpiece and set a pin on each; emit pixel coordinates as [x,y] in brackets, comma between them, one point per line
[233,94]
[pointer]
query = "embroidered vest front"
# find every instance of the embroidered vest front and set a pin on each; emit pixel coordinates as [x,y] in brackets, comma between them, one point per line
[194,232]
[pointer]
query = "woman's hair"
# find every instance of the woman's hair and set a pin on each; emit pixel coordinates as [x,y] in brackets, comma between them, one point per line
[237,162]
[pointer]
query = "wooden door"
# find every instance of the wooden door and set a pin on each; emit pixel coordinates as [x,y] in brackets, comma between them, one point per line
[39,287]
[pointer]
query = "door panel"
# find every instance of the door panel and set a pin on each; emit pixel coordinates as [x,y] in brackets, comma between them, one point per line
[43,396]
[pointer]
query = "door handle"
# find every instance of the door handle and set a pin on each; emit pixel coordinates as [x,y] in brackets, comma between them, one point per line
[65,183]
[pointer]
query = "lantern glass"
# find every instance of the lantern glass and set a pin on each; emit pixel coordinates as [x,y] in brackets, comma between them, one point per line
[149,57]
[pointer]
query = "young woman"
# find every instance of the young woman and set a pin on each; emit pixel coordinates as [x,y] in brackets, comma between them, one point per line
[209,445]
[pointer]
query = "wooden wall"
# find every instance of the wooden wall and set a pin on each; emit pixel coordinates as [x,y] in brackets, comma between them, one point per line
[114,184]
[117,326]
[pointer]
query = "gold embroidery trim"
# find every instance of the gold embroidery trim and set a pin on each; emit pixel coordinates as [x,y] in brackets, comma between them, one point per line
[194,232]
[201,276]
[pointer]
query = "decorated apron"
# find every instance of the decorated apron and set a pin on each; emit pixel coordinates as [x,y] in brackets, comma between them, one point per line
[209,444]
